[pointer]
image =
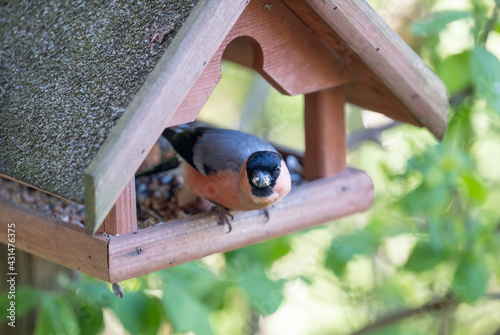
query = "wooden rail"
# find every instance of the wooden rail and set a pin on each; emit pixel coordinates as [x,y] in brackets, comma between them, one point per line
[116,258]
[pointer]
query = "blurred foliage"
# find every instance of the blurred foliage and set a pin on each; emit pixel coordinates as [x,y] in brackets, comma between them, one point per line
[433,233]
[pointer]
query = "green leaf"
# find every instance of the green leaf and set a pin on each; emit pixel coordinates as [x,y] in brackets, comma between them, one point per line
[485,69]
[426,200]
[90,316]
[477,192]
[201,283]
[184,311]
[25,298]
[99,291]
[471,278]
[434,23]
[460,132]
[423,258]
[336,265]
[139,313]
[454,72]
[56,317]
[394,329]
[344,248]
[265,253]
[264,294]
[358,243]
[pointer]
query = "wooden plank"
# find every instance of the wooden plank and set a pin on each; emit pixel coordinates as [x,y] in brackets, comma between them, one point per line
[176,242]
[155,103]
[122,218]
[52,239]
[325,134]
[367,36]
[200,92]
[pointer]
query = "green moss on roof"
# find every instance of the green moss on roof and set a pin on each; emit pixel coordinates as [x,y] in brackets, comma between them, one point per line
[68,70]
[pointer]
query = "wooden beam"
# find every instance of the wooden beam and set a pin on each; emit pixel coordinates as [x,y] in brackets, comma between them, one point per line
[325,134]
[55,240]
[122,218]
[176,242]
[154,105]
[116,258]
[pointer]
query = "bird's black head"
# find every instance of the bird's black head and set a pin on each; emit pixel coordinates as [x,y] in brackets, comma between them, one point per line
[263,168]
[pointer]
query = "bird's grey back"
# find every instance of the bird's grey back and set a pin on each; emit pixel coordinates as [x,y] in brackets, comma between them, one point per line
[223,149]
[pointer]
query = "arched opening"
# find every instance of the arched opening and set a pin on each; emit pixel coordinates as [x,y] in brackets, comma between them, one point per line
[245,100]
[246,51]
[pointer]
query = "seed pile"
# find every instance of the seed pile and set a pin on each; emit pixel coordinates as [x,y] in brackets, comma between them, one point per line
[55,207]
[155,200]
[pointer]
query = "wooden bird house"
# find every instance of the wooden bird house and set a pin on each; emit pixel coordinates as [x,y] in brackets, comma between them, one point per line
[87,88]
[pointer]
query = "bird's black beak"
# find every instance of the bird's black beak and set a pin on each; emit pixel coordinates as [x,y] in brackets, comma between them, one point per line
[261,179]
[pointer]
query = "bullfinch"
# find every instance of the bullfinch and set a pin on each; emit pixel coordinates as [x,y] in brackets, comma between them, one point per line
[234,170]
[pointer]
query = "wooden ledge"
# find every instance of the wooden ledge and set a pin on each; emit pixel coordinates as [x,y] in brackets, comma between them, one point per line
[55,240]
[176,242]
[134,254]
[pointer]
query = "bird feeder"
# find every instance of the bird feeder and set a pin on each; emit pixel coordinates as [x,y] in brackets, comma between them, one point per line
[88,89]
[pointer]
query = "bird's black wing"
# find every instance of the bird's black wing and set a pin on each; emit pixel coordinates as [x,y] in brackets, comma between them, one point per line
[184,141]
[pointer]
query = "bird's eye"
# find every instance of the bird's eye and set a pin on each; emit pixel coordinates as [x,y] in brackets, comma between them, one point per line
[278,169]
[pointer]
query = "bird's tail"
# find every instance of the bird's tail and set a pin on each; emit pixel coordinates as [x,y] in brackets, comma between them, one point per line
[182,139]
[169,134]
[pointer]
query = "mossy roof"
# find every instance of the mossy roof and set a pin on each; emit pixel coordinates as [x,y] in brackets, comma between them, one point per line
[68,70]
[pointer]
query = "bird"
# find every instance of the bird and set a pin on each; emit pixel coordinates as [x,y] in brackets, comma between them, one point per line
[232,169]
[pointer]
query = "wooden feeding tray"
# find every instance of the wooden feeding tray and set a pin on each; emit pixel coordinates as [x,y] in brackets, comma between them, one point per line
[105,118]
[138,252]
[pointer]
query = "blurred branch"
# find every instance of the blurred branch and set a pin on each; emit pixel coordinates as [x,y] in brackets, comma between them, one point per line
[459,98]
[491,23]
[493,296]
[437,305]
[368,134]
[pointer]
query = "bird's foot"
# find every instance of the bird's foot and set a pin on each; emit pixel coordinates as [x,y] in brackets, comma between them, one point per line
[266,213]
[117,290]
[224,216]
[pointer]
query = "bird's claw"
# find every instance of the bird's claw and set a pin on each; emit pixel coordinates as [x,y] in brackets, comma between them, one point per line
[266,213]
[224,216]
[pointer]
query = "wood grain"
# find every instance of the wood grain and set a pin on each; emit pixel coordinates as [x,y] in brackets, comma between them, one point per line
[122,218]
[354,29]
[155,104]
[325,133]
[181,241]
[52,239]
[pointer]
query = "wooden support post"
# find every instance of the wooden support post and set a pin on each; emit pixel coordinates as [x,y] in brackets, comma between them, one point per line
[325,133]
[122,218]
